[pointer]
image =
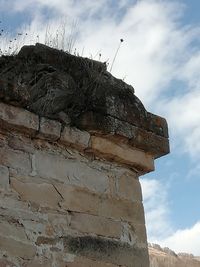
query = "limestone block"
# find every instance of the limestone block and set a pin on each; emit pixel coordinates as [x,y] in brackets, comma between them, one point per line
[13,230]
[17,118]
[70,171]
[123,153]
[75,137]
[128,187]
[4,177]
[85,201]
[17,248]
[13,207]
[15,159]
[94,224]
[49,129]
[43,194]
[152,139]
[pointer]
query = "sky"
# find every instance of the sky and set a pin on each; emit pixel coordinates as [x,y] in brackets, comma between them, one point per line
[160,57]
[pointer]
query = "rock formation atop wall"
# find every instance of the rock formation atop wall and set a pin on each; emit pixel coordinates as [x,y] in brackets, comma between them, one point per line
[73,142]
[79,92]
[165,257]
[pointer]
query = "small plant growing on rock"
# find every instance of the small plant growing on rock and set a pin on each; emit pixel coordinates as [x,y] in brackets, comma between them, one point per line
[121,41]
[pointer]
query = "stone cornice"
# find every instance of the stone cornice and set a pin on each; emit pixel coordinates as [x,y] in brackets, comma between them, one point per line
[49,94]
[137,152]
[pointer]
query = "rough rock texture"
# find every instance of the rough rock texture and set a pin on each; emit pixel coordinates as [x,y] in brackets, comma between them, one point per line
[73,142]
[164,257]
[80,92]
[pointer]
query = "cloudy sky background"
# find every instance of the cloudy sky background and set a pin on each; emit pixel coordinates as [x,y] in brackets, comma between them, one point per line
[160,57]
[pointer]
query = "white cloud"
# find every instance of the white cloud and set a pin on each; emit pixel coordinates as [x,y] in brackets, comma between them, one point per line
[159,228]
[183,115]
[186,240]
[155,195]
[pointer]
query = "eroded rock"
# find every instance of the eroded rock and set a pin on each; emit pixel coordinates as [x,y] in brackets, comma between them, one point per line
[55,84]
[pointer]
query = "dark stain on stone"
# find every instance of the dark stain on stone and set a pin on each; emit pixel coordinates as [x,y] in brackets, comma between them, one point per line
[103,249]
[90,244]
[46,240]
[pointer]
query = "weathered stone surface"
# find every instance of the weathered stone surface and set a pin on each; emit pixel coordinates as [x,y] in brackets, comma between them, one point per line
[12,229]
[15,159]
[158,125]
[75,137]
[134,233]
[70,171]
[43,240]
[85,201]
[17,118]
[21,143]
[98,225]
[11,206]
[154,140]
[49,91]
[4,177]
[85,262]
[49,129]
[106,250]
[149,141]
[128,187]
[56,191]
[140,232]
[17,248]
[43,194]
[136,158]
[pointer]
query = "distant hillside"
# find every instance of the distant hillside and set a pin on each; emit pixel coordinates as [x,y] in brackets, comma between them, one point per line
[164,257]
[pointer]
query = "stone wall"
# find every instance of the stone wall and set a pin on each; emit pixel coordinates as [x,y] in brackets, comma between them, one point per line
[61,203]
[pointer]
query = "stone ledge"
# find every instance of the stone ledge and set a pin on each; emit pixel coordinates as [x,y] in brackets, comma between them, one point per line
[15,118]
[154,140]
[106,123]
[131,145]
[122,154]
